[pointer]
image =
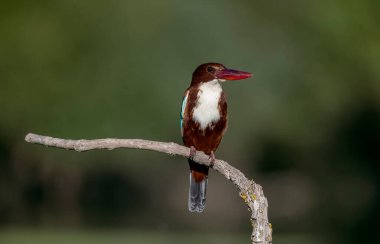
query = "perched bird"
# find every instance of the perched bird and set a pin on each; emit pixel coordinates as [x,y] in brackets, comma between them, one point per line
[204,121]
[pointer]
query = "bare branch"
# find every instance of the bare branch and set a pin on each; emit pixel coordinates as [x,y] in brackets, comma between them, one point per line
[249,191]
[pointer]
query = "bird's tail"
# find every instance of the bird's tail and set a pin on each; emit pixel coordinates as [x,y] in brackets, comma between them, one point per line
[198,186]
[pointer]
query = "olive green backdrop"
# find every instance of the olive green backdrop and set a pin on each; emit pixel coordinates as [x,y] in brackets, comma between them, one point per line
[306,126]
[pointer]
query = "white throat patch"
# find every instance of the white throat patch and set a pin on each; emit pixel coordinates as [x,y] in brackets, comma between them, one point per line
[206,110]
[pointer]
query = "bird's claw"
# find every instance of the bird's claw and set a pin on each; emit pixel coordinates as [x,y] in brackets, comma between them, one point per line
[193,151]
[212,159]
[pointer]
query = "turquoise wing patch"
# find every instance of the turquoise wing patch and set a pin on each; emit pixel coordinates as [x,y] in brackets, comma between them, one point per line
[183,107]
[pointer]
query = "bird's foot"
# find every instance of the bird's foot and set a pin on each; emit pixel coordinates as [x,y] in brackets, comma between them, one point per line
[193,151]
[212,159]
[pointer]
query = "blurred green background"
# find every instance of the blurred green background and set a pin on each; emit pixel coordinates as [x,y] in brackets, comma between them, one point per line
[306,127]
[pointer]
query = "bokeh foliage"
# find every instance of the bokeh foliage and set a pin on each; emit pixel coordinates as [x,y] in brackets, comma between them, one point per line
[307,126]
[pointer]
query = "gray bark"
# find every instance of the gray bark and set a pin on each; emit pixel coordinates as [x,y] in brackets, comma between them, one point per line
[249,191]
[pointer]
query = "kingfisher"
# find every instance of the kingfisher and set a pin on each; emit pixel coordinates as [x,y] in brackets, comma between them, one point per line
[204,122]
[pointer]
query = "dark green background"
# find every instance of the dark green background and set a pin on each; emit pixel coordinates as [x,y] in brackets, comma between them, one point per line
[306,126]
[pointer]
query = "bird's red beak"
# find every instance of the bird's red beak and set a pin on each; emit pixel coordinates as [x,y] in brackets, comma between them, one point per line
[230,74]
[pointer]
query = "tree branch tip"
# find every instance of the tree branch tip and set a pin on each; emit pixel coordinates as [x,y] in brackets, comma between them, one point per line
[28,137]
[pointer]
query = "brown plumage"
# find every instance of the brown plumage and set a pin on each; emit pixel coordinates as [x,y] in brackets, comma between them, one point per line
[204,122]
[203,140]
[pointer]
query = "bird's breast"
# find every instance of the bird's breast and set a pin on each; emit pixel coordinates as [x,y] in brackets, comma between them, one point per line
[206,110]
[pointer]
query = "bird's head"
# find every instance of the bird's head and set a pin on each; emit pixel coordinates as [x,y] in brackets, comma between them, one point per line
[214,71]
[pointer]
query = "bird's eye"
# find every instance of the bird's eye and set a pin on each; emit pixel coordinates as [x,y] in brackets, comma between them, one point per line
[210,69]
